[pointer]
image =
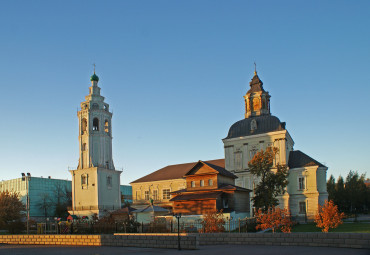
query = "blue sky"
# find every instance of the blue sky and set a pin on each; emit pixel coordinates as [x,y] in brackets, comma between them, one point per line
[175,72]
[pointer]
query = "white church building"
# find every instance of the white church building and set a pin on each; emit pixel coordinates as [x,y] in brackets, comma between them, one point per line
[259,130]
[95,182]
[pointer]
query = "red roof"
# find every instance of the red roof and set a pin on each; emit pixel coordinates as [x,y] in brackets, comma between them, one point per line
[176,171]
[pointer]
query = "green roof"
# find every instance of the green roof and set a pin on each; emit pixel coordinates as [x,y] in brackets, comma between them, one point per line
[94,77]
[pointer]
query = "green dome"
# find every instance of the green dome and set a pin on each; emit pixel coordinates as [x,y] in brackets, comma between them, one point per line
[94,77]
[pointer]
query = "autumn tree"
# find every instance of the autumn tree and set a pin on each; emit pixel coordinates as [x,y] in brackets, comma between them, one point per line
[213,222]
[272,180]
[274,218]
[328,216]
[11,212]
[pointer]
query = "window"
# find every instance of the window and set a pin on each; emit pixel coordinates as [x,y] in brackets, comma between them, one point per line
[96,124]
[302,207]
[202,183]
[83,126]
[84,179]
[146,195]
[95,106]
[252,153]
[155,194]
[83,146]
[193,184]
[166,194]
[301,183]
[109,181]
[225,203]
[106,126]
[210,182]
[238,160]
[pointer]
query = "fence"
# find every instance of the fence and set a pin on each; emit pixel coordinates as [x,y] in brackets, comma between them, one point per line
[157,226]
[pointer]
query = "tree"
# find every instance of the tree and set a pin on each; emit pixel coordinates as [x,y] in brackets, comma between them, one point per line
[45,203]
[213,222]
[351,195]
[274,218]
[330,187]
[272,181]
[328,216]
[355,189]
[11,211]
[63,199]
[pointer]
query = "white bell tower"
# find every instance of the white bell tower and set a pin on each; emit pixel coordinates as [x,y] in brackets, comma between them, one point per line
[95,183]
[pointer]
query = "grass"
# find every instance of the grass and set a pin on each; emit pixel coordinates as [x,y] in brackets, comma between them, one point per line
[345,227]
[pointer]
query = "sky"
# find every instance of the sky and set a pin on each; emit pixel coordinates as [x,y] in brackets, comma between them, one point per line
[175,73]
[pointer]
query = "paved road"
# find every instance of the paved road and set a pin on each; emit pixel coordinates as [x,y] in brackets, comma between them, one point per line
[204,250]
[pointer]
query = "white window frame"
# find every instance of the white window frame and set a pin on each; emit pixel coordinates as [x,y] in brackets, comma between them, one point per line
[168,194]
[301,184]
[155,194]
[210,182]
[146,195]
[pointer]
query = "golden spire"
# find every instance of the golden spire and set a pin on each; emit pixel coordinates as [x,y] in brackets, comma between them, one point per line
[255,68]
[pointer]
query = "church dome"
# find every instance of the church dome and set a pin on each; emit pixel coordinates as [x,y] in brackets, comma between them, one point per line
[255,125]
[94,77]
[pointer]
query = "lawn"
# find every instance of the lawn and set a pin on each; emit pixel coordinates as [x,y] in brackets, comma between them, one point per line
[345,227]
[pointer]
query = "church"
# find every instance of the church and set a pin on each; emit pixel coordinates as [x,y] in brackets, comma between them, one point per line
[258,130]
[95,182]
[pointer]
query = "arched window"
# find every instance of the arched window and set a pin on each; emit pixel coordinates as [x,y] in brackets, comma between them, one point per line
[83,125]
[96,124]
[106,126]
[83,146]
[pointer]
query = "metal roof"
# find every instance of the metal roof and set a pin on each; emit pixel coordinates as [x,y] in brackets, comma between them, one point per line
[265,124]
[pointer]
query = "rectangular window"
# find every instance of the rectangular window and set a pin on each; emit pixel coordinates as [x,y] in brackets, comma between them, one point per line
[301,183]
[210,182]
[302,207]
[155,194]
[109,181]
[84,180]
[238,160]
[166,194]
[146,195]
[252,153]
[193,184]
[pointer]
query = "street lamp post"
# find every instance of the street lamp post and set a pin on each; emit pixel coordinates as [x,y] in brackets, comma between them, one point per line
[27,179]
[178,216]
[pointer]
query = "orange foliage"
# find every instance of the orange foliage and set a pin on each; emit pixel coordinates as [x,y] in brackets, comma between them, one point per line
[213,222]
[274,218]
[328,216]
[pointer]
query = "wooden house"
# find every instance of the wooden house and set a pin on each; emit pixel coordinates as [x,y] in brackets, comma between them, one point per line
[210,188]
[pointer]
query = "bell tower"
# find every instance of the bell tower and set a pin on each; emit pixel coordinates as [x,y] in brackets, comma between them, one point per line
[95,182]
[95,132]
[257,100]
